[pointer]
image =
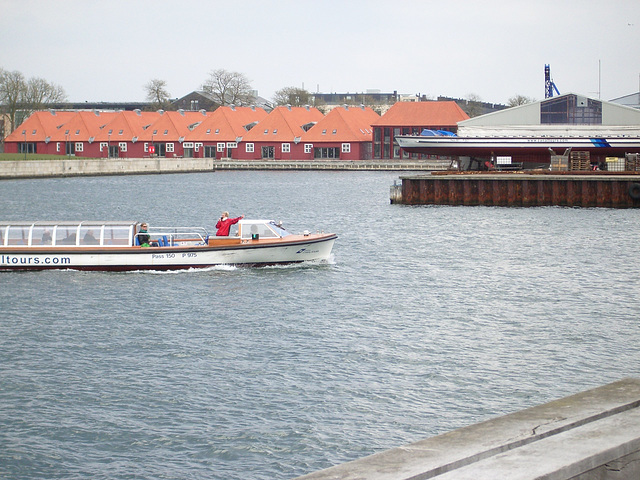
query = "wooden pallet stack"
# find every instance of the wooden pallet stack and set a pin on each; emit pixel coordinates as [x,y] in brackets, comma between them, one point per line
[559,163]
[580,161]
[632,162]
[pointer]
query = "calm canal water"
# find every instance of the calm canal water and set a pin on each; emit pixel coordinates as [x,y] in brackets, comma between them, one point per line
[427,319]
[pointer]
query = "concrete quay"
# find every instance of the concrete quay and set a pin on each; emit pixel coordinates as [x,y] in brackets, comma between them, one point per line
[391,165]
[70,167]
[593,435]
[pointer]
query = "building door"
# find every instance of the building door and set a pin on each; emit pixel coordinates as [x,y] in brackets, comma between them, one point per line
[161,149]
[268,152]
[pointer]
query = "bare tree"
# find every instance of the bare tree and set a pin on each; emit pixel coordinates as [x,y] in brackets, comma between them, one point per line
[229,88]
[519,100]
[20,97]
[39,93]
[157,94]
[12,92]
[292,96]
[473,105]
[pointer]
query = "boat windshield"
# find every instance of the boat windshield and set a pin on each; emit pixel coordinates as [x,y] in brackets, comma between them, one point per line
[253,229]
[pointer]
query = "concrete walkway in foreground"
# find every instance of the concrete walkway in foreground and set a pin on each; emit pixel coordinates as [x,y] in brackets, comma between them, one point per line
[593,435]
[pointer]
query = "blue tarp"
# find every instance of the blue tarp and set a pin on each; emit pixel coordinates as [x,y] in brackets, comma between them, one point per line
[436,133]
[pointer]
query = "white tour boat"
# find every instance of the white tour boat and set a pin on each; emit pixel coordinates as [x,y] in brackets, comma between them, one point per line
[115,246]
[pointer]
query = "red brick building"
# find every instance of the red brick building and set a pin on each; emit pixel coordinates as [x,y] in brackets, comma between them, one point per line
[219,135]
[410,118]
[278,136]
[343,134]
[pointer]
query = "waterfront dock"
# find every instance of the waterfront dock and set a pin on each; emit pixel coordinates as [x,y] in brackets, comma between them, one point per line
[591,435]
[389,165]
[71,166]
[520,189]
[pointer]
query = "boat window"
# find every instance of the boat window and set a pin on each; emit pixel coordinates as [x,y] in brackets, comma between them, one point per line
[279,230]
[261,229]
[66,234]
[18,235]
[116,235]
[42,235]
[90,235]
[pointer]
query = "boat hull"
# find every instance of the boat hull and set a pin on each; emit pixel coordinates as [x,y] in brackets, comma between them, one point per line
[310,248]
[514,146]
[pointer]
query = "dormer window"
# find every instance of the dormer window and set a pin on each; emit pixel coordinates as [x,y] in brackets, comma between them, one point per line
[110,131]
[33,133]
[266,131]
[334,132]
[275,130]
[77,132]
[155,132]
[208,131]
[324,132]
[166,132]
[120,132]
[217,131]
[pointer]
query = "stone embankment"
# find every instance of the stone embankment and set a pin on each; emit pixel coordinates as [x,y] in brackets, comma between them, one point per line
[593,435]
[68,167]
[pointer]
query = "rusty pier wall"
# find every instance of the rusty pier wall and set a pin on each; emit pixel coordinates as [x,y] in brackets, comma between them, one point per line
[521,189]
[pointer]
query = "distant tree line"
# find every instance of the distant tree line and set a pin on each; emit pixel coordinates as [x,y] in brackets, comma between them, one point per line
[19,96]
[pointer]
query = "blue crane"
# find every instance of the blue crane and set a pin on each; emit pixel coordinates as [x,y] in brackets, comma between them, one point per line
[549,86]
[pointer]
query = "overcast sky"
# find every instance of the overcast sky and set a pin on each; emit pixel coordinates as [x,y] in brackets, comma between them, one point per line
[493,49]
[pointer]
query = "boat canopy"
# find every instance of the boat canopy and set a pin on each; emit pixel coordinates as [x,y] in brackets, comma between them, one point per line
[52,234]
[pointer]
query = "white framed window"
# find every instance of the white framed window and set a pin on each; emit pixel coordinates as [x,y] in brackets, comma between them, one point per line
[346,148]
[249,148]
[170,147]
[103,145]
[232,144]
[57,146]
[221,146]
[187,144]
[286,148]
[146,147]
[308,147]
[197,146]
[123,146]
[79,146]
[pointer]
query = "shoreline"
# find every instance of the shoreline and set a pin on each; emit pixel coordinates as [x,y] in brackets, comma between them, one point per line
[71,167]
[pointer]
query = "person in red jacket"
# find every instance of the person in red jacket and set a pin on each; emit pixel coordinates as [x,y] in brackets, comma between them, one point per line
[224,224]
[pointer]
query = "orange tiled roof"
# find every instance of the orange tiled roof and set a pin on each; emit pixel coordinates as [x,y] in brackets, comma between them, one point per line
[226,124]
[82,126]
[126,125]
[436,114]
[343,124]
[40,126]
[172,126]
[283,124]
